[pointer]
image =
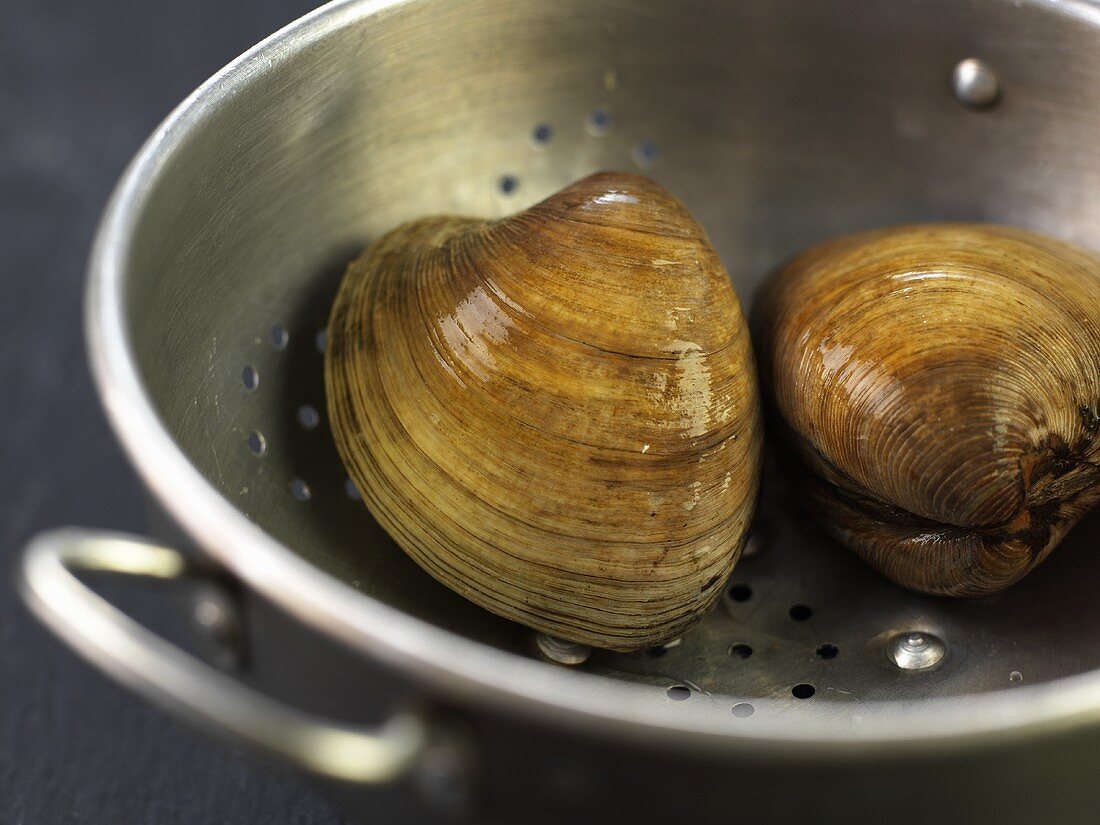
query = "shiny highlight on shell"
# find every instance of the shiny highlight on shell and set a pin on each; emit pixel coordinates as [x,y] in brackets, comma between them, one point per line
[939,388]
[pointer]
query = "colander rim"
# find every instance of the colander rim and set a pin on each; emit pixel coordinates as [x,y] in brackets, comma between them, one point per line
[458,666]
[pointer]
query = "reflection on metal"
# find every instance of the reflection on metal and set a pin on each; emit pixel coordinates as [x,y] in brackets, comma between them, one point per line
[916,651]
[975,84]
[167,675]
[561,651]
[217,617]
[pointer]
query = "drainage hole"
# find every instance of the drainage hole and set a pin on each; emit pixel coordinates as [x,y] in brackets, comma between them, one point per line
[827,651]
[800,612]
[599,122]
[645,153]
[308,416]
[740,651]
[803,691]
[740,592]
[300,490]
[257,443]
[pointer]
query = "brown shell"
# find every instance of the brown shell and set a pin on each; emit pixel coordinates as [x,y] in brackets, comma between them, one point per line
[554,414]
[940,386]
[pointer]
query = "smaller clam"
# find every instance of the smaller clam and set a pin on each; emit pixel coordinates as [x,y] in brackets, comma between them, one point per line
[939,387]
[554,414]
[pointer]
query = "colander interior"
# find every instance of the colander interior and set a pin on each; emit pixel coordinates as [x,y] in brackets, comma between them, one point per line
[778,124]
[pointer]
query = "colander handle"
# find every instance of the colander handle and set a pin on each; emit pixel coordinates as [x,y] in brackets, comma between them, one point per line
[163,673]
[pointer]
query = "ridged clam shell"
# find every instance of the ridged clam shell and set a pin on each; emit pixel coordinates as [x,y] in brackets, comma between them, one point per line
[554,414]
[940,386]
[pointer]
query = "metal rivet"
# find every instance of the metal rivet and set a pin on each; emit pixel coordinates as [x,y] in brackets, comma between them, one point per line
[1015,676]
[975,84]
[915,650]
[561,651]
[216,618]
[211,616]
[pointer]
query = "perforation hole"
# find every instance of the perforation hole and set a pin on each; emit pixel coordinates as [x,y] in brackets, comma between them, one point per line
[827,651]
[678,693]
[740,651]
[308,416]
[803,691]
[599,122]
[257,443]
[646,153]
[800,612]
[300,490]
[740,592]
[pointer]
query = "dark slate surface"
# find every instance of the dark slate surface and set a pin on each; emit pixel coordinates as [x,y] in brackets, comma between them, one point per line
[81,85]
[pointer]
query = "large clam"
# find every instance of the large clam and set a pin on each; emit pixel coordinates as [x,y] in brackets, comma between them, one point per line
[554,414]
[940,386]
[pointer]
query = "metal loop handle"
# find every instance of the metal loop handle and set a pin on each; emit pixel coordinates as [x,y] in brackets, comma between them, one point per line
[163,673]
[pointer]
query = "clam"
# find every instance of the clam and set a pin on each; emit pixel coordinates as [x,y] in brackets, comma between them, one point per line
[554,414]
[939,386]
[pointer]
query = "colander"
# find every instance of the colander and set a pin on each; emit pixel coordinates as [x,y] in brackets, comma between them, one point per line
[816,689]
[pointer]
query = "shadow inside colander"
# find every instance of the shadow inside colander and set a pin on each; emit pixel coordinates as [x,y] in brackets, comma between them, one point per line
[801,594]
[321,516]
[802,613]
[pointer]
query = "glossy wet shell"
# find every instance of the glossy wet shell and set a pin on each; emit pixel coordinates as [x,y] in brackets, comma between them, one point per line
[555,414]
[940,387]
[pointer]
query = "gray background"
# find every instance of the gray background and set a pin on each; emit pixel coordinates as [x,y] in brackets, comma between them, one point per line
[81,85]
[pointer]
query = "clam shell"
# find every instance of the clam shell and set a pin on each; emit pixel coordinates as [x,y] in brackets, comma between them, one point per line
[940,388]
[554,414]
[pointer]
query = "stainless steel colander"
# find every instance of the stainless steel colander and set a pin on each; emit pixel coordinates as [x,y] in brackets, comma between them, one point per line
[816,687]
